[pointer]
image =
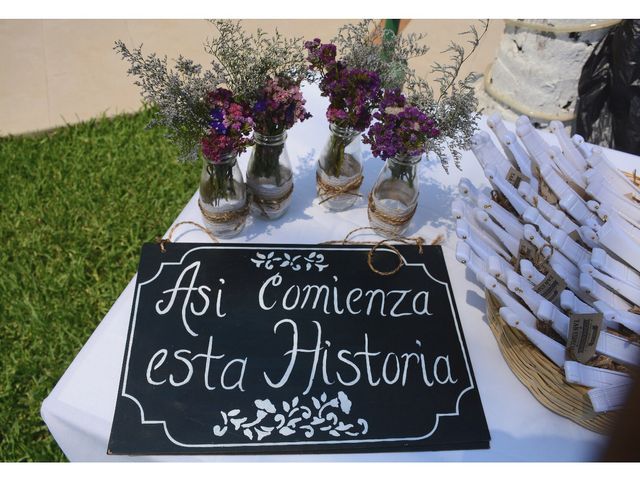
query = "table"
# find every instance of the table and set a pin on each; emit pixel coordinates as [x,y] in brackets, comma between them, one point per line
[79,410]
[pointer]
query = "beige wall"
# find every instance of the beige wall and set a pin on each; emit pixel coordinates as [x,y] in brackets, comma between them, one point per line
[58,71]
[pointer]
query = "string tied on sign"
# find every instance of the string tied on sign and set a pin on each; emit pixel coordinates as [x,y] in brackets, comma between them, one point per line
[375,245]
[386,243]
[163,241]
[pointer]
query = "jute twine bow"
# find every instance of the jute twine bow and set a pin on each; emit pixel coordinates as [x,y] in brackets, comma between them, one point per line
[227,217]
[418,241]
[271,203]
[391,219]
[327,191]
[167,239]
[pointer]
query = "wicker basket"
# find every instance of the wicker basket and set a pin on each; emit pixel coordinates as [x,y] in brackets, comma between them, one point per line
[543,378]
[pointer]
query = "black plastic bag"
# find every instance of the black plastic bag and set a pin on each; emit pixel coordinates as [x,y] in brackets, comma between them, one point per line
[608,108]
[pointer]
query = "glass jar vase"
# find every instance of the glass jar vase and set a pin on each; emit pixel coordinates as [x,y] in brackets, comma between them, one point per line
[269,176]
[394,197]
[223,196]
[339,170]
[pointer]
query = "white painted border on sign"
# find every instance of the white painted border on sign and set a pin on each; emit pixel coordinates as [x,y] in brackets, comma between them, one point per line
[310,442]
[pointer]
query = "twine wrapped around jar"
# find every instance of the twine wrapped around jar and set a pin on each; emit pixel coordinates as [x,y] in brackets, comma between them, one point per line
[237,216]
[224,200]
[269,176]
[339,169]
[270,206]
[399,220]
[393,200]
[327,191]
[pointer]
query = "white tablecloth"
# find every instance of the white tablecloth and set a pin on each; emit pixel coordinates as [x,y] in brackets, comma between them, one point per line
[80,408]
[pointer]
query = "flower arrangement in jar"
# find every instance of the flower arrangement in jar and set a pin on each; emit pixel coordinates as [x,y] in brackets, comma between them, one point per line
[266,73]
[204,120]
[407,125]
[372,59]
[249,95]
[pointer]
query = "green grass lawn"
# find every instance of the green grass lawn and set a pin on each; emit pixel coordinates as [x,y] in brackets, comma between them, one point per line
[76,204]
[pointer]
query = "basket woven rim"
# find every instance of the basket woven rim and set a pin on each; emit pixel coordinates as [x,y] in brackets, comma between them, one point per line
[543,378]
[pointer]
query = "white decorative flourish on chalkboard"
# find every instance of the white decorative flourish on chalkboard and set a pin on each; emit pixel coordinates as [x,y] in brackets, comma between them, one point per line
[295,262]
[321,416]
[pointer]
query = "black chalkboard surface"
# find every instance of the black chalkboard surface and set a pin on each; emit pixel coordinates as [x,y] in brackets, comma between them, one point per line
[245,348]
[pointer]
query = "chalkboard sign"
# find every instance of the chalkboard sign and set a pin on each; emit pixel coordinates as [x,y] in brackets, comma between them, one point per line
[294,349]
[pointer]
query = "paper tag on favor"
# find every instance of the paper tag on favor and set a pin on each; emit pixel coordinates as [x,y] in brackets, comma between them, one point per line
[515,176]
[544,189]
[527,250]
[584,330]
[547,193]
[552,285]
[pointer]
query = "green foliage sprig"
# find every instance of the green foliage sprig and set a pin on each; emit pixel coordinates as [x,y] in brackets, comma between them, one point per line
[367,45]
[178,95]
[245,61]
[454,109]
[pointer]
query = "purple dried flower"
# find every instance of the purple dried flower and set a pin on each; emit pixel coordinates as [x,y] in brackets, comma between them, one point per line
[280,106]
[353,93]
[229,126]
[400,129]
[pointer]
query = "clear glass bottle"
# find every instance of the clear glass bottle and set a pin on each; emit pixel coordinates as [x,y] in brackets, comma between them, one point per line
[394,197]
[339,170]
[223,196]
[269,176]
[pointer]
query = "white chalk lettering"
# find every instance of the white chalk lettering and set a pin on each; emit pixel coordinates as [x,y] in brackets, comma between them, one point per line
[218,301]
[238,384]
[274,280]
[341,357]
[292,288]
[207,362]
[330,300]
[425,304]
[293,352]
[186,361]
[414,367]
[403,293]
[183,369]
[318,288]
[155,364]
[373,294]
[448,378]
[385,377]
[336,308]
[406,357]
[325,375]
[202,290]
[366,353]
[349,300]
